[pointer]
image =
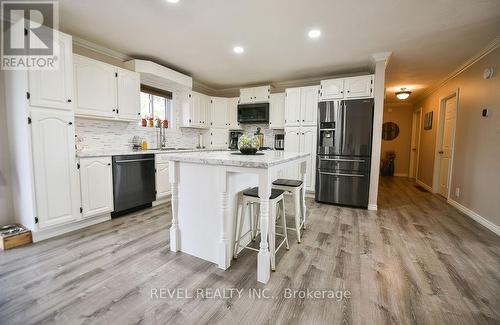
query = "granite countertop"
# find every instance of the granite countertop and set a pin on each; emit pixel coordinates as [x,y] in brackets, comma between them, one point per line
[107,153]
[227,158]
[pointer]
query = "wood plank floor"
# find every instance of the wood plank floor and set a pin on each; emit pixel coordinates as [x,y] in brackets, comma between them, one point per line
[415,261]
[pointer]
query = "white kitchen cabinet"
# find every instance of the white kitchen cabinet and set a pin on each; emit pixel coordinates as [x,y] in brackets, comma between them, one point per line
[129,99]
[309,105]
[219,138]
[232,110]
[332,89]
[308,144]
[219,112]
[292,144]
[54,88]
[301,106]
[95,88]
[292,107]
[277,111]
[162,180]
[204,111]
[196,111]
[359,87]
[54,167]
[255,94]
[96,184]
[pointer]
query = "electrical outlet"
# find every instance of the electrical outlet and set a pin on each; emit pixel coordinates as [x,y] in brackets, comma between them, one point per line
[457,192]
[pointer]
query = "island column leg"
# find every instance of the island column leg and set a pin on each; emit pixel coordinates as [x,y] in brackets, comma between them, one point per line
[224,256]
[303,171]
[264,257]
[174,183]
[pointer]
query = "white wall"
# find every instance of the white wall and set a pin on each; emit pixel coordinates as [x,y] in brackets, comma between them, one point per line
[6,209]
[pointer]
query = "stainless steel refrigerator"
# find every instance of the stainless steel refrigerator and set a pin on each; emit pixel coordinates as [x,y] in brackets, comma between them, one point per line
[344,152]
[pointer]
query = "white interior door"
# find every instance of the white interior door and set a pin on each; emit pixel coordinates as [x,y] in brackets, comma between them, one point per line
[55,173]
[446,151]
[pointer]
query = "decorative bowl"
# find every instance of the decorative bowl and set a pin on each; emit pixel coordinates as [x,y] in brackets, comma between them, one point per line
[248,145]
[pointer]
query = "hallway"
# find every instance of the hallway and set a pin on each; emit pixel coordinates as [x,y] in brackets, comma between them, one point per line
[417,260]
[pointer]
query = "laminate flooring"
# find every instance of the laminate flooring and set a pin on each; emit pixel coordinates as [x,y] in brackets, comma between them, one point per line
[416,260]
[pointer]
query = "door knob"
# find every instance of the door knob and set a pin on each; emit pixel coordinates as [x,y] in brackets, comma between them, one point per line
[413,149]
[441,152]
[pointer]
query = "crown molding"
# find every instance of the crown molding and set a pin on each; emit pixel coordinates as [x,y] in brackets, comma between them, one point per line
[466,65]
[100,49]
[382,56]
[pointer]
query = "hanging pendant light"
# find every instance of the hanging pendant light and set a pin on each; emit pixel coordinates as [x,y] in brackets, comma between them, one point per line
[403,94]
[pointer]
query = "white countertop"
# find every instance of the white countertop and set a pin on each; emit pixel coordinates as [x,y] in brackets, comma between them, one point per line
[107,153]
[227,158]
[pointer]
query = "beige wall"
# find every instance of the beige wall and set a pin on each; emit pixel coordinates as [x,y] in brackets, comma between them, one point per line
[401,114]
[476,164]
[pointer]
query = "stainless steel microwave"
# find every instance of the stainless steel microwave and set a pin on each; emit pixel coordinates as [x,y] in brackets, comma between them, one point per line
[253,113]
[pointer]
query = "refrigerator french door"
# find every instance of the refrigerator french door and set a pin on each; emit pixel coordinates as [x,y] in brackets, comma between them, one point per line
[344,152]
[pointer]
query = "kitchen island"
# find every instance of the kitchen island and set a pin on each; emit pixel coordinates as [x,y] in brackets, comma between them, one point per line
[205,186]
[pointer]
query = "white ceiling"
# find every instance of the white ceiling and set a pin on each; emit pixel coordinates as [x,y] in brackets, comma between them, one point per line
[428,38]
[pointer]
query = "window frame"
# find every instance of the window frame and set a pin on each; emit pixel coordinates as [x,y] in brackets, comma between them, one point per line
[169,103]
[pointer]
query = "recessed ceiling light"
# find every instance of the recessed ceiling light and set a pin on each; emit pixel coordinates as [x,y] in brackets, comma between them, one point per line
[238,49]
[314,33]
[172,1]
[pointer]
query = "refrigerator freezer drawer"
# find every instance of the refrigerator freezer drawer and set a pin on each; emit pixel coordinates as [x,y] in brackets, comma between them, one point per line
[331,163]
[342,188]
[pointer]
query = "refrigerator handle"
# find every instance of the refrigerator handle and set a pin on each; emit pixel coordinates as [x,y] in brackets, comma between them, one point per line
[344,117]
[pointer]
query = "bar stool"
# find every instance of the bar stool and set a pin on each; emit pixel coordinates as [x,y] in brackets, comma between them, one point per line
[296,188]
[249,198]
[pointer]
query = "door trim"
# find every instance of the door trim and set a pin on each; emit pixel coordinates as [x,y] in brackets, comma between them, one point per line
[439,141]
[416,131]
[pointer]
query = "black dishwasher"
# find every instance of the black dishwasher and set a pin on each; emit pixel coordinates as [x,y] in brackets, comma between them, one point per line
[133,182]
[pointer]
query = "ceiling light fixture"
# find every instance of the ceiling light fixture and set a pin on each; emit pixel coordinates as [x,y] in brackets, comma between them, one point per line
[314,33]
[238,49]
[172,1]
[403,94]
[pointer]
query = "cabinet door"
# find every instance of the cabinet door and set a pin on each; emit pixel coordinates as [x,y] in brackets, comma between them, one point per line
[246,95]
[219,138]
[292,107]
[277,111]
[308,144]
[309,105]
[233,113]
[129,98]
[162,181]
[359,86]
[194,109]
[332,89]
[54,88]
[55,173]
[204,111]
[96,183]
[219,112]
[95,88]
[292,144]
[261,94]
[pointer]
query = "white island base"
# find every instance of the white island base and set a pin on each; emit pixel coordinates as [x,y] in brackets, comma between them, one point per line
[205,186]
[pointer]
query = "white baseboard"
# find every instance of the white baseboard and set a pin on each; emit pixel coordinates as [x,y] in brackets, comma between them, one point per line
[161,201]
[372,207]
[401,174]
[56,231]
[476,217]
[427,187]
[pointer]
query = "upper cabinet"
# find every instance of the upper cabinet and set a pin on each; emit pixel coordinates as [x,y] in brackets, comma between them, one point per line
[103,90]
[196,111]
[232,113]
[219,112]
[343,88]
[255,94]
[54,88]
[301,106]
[277,111]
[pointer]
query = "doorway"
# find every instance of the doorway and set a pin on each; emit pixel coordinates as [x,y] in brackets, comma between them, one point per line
[446,141]
[415,142]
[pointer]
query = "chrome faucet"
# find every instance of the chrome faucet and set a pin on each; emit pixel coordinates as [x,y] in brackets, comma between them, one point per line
[163,141]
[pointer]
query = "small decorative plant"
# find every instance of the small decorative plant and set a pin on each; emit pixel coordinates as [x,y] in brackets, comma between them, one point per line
[248,144]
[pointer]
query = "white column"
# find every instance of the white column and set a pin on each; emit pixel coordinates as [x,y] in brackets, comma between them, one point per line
[224,255]
[264,258]
[303,171]
[174,182]
[381,60]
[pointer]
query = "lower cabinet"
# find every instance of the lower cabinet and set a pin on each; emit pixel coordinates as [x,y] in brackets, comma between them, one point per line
[162,180]
[302,139]
[96,183]
[54,167]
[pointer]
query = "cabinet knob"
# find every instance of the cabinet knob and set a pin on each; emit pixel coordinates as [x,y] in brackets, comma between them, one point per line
[114,110]
[70,123]
[109,164]
[69,100]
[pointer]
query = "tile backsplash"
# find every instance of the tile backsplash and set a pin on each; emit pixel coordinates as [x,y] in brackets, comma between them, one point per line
[264,128]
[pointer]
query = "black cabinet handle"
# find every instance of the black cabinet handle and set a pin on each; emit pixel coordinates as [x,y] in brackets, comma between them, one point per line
[139,114]
[70,123]
[109,164]
[114,110]
[69,100]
